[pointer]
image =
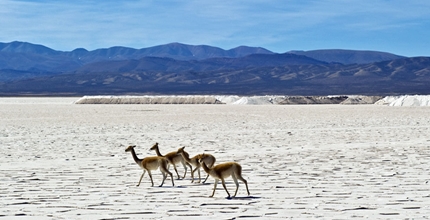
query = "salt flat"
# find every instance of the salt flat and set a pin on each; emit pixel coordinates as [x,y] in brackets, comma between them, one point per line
[66,161]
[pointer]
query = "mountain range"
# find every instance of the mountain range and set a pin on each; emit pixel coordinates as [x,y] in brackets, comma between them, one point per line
[30,69]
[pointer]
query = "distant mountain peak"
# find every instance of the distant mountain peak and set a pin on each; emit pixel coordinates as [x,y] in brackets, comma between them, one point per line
[24,47]
[346,56]
[80,50]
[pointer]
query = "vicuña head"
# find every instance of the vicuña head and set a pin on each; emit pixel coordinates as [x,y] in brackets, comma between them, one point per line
[224,170]
[151,163]
[155,146]
[130,148]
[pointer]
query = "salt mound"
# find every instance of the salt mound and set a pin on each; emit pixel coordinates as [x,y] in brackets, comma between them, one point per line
[307,100]
[191,99]
[228,99]
[406,100]
[148,100]
[360,99]
[251,100]
[416,100]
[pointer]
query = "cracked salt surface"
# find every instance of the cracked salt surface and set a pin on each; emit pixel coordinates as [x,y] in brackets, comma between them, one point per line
[65,161]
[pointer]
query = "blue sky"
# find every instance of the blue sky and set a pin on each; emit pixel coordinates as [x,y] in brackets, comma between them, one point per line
[396,26]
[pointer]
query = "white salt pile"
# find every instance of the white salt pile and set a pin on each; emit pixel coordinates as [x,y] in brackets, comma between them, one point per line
[186,99]
[229,100]
[360,99]
[191,99]
[405,100]
[251,100]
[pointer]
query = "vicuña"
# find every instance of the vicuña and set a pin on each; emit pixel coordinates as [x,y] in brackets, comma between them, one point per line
[151,163]
[208,159]
[224,170]
[173,159]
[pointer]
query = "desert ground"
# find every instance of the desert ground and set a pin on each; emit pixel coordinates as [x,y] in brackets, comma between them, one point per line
[66,161]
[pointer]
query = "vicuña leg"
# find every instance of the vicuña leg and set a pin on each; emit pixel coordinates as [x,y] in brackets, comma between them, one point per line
[165,171]
[215,184]
[192,173]
[141,176]
[238,175]
[223,184]
[185,167]
[150,176]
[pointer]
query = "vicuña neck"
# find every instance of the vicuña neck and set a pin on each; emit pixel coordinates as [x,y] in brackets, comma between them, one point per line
[157,151]
[136,159]
[186,157]
[206,168]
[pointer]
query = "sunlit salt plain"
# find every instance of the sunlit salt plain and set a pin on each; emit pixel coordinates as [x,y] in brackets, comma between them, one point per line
[60,160]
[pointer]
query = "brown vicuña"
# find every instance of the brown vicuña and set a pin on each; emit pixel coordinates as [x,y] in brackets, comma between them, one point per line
[208,159]
[151,163]
[224,170]
[173,159]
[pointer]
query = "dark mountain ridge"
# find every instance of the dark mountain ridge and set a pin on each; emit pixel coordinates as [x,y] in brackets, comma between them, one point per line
[213,64]
[404,76]
[29,57]
[173,50]
[25,56]
[28,69]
